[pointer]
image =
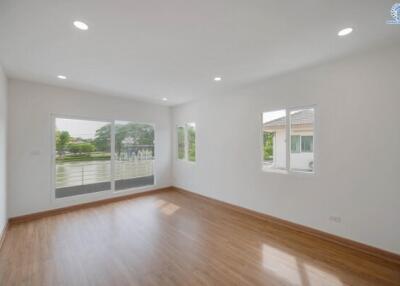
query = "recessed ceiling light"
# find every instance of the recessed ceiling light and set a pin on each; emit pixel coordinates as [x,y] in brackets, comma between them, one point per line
[164,99]
[81,25]
[217,78]
[345,32]
[62,76]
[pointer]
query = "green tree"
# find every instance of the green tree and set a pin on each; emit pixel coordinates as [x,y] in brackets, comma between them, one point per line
[102,139]
[86,148]
[81,148]
[268,146]
[62,140]
[74,148]
[142,134]
[191,133]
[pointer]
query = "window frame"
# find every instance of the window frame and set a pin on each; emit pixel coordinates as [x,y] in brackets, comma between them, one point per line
[187,125]
[186,149]
[301,144]
[291,141]
[95,195]
[288,169]
[184,142]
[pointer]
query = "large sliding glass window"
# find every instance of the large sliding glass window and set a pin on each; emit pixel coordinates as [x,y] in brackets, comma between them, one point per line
[83,158]
[84,162]
[134,155]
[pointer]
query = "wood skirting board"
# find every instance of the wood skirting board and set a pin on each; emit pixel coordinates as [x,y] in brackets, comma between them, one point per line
[3,234]
[351,244]
[358,246]
[33,216]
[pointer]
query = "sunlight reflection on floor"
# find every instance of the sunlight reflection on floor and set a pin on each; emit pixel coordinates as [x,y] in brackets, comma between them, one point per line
[293,270]
[166,208]
[281,264]
[169,209]
[159,203]
[318,277]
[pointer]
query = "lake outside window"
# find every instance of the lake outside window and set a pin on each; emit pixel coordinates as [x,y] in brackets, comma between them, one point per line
[134,155]
[85,164]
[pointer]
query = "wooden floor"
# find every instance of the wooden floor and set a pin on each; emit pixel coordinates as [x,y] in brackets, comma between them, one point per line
[177,239]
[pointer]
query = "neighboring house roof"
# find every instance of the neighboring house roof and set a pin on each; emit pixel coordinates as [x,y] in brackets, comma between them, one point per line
[299,118]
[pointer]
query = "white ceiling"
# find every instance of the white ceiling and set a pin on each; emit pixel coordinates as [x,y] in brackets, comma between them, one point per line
[150,49]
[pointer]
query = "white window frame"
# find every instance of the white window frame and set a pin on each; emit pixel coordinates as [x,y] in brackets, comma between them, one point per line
[187,142]
[288,142]
[177,142]
[301,144]
[186,149]
[291,144]
[95,195]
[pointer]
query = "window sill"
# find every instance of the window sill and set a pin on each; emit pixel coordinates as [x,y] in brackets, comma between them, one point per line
[302,173]
[267,169]
[183,161]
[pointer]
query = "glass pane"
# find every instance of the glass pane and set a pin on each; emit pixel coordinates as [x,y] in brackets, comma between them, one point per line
[134,155]
[295,143]
[274,139]
[269,146]
[191,135]
[181,143]
[302,126]
[306,143]
[83,159]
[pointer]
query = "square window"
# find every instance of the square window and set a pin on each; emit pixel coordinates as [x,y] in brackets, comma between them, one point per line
[295,155]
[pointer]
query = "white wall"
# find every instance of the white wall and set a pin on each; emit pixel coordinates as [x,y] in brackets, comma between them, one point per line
[30,168]
[357,148]
[3,150]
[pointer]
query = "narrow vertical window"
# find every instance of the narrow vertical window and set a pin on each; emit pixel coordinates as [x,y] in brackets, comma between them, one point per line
[83,157]
[302,139]
[274,140]
[191,141]
[134,155]
[181,142]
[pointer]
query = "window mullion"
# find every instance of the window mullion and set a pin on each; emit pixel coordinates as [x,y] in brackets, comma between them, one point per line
[186,143]
[301,144]
[113,156]
[288,139]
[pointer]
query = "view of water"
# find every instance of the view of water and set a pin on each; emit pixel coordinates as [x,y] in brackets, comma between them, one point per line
[88,172]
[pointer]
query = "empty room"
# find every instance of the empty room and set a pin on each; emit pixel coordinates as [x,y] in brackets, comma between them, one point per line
[220,142]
